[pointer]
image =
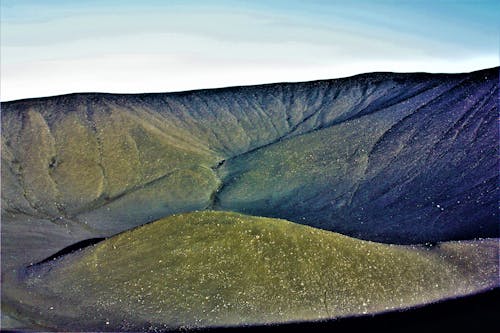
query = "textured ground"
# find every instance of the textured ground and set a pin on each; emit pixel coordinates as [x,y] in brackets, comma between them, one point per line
[392,158]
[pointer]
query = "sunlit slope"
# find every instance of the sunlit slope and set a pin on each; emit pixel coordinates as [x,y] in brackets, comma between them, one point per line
[218,268]
[71,155]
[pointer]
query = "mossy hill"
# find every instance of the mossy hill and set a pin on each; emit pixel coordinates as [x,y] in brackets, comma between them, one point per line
[217,268]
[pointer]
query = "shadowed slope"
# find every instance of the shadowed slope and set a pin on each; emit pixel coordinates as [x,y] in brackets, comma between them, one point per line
[217,268]
[411,172]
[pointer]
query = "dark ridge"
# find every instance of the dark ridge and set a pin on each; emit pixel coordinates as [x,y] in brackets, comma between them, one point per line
[70,249]
[371,75]
[214,199]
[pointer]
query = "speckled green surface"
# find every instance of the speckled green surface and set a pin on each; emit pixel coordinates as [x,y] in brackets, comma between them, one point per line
[220,268]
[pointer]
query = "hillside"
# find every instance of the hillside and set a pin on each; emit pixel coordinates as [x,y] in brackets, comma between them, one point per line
[218,268]
[398,158]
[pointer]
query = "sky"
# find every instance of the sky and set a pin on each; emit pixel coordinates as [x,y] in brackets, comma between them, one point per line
[51,47]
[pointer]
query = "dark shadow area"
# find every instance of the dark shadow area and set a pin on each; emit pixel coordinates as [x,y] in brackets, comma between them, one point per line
[70,249]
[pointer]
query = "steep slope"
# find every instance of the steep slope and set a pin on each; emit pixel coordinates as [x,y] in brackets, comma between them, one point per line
[218,268]
[391,157]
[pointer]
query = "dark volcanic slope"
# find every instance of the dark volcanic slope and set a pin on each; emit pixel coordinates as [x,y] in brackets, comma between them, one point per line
[399,158]
[421,169]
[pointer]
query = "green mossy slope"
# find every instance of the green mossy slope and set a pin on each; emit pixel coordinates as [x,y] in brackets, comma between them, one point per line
[219,268]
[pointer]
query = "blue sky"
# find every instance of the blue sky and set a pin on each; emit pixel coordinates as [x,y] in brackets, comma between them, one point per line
[52,47]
